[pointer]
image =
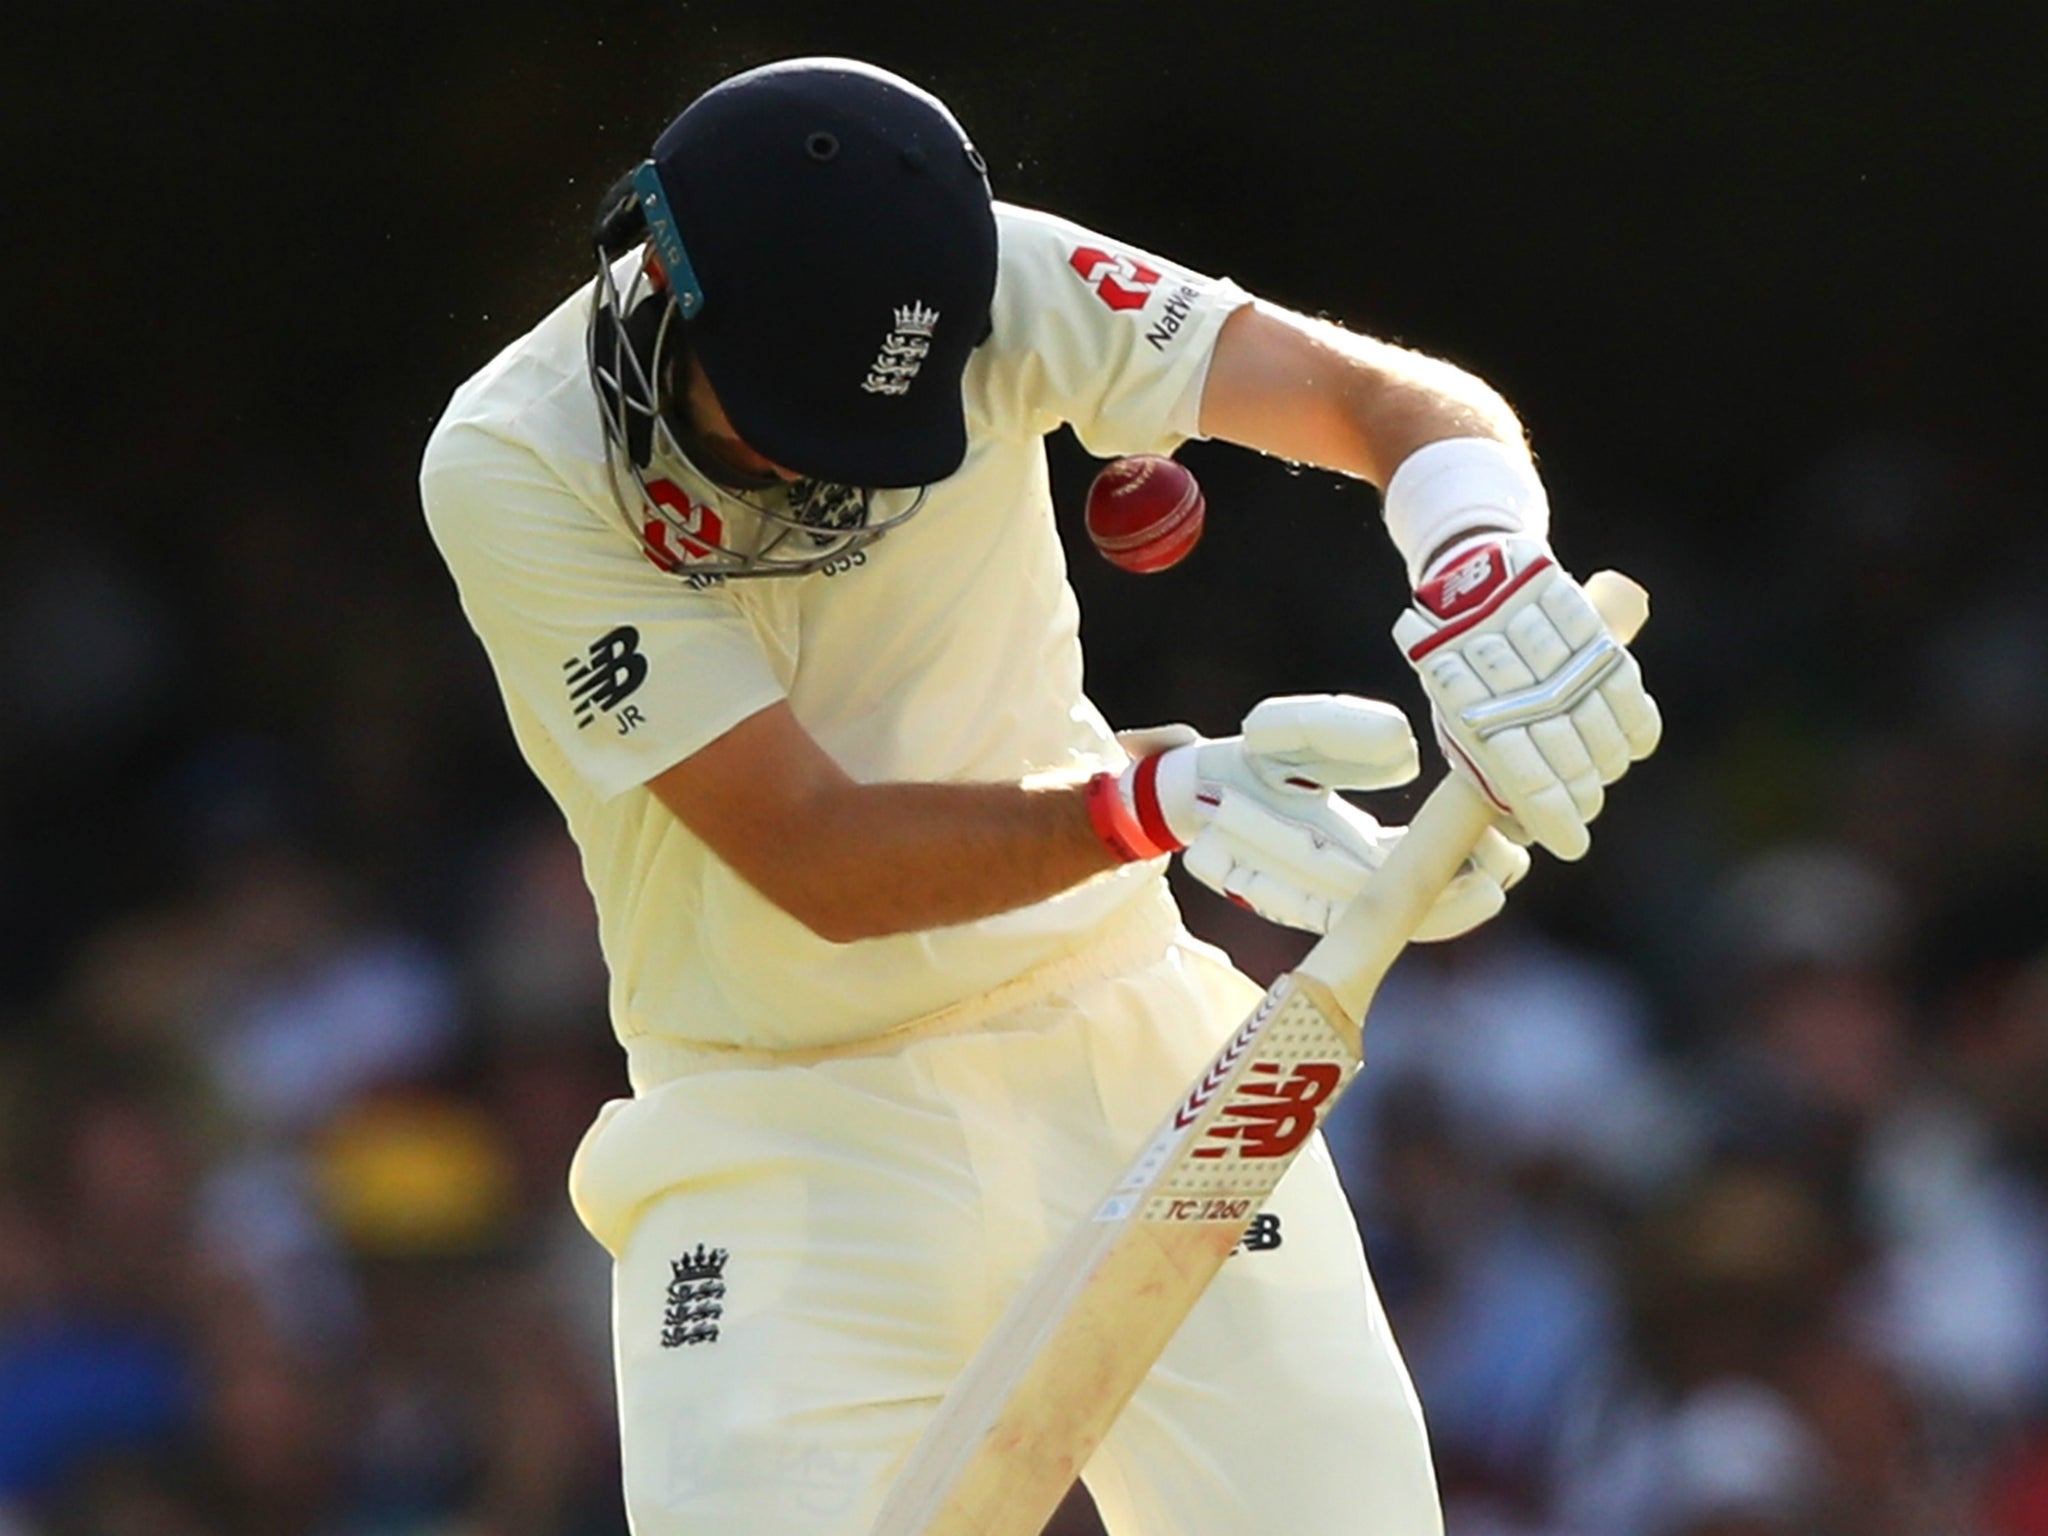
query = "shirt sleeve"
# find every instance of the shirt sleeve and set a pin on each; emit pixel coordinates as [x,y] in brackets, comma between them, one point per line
[1096,334]
[626,668]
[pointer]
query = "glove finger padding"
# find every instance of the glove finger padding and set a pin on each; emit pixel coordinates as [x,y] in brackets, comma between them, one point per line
[1330,741]
[1293,751]
[1477,893]
[1558,741]
[1258,891]
[1301,872]
[1326,848]
[1297,868]
[1634,710]
[1501,859]
[1467,901]
[1602,736]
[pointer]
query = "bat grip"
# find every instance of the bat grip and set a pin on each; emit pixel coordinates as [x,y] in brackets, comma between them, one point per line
[1371,933]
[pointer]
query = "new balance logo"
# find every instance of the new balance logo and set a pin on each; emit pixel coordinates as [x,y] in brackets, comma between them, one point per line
[1466,585]
[1262,1236]
[1467,578]
[903,351]
[696,1291]
[605,676]
[1270,1116]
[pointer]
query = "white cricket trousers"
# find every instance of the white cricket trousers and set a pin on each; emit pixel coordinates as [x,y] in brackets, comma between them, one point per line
[806,1256]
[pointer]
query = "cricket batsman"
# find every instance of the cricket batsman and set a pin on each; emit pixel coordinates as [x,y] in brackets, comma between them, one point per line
[757,533]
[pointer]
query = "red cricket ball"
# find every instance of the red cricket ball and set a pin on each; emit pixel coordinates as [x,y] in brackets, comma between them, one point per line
[1145,512]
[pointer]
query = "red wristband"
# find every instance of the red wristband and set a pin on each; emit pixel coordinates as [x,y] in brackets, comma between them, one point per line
[1119,828]
[1145,796]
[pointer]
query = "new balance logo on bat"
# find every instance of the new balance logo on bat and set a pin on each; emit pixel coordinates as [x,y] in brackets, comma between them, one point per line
[1272,1115]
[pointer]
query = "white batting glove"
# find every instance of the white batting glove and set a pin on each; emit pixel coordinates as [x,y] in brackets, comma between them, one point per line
[1260,820]
[1534,699]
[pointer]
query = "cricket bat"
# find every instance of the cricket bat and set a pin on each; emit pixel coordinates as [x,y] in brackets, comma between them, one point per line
[1046,1385]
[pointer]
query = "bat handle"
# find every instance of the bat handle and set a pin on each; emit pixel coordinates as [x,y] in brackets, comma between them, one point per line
[1371,933]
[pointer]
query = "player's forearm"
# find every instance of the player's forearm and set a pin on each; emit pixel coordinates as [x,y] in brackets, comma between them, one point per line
[856,861]
[1396,401]
[900,858]
[1309,391]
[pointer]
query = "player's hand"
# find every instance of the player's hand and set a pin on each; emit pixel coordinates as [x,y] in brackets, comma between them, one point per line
[1534,699]
[1260,820]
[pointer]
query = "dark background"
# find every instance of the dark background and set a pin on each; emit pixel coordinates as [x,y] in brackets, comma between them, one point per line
[279,905]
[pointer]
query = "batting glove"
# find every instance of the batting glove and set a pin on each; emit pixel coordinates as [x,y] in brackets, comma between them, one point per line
[1260,820]
[1534,699]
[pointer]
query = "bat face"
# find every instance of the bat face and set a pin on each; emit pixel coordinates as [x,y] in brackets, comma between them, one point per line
[1226,1144]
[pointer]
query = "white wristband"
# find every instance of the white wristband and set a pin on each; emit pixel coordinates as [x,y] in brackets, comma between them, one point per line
[1458,486]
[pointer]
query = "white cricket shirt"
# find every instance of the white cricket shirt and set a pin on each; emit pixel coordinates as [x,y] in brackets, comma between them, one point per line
[950,653]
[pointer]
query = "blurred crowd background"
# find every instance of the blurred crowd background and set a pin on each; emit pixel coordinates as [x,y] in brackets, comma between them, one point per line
[1708,1190]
